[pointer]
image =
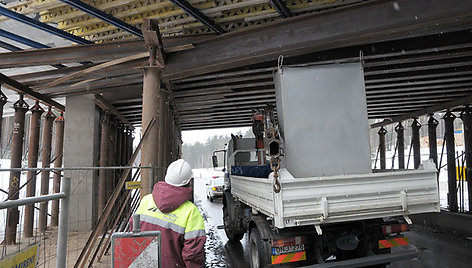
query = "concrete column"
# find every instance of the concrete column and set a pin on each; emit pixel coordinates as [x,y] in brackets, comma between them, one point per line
[151,106]
[383,161]
[433,145]
[415,136]
[16,154]
[104,160]
[466,117]
[451,160]
[81,147]
[58,154]
[400,145]
[33,150]
[46,162]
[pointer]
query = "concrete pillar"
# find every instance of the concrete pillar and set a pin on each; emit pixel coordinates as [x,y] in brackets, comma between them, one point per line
[415,136]
[151,106]
[400,145]
[81,145]
[111,158]
[46,162]
[104,161]
[16,154]
[466,117]
[58,154]
[433,145]
[383,161]
[451,160]
[33,150]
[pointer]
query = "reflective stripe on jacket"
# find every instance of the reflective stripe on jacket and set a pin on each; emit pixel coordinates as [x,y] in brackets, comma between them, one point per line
[182,232]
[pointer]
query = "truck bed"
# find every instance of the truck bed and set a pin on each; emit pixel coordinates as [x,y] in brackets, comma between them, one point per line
[332,199]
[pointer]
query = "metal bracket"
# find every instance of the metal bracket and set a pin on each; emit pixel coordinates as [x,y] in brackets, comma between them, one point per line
[324,206]
[407,219]
[404,200]
[318,230]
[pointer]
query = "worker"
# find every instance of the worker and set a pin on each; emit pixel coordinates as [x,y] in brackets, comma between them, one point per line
[168,209]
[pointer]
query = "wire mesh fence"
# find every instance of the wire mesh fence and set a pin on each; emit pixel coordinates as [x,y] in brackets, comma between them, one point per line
[83,215]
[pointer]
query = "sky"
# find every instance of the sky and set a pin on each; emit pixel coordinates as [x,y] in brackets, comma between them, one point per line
[193,136]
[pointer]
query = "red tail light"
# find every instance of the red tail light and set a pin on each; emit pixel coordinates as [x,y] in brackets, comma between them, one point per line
[395,228]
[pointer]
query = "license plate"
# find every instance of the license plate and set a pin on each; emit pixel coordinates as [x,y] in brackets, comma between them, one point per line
[287,249]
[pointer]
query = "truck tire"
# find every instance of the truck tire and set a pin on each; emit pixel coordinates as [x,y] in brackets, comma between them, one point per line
[230,219]
[258,250]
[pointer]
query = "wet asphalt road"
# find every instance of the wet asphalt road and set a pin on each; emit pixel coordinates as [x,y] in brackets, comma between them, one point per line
[437,249]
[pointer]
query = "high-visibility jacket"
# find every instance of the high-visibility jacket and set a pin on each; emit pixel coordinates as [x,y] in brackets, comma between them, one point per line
[182,229]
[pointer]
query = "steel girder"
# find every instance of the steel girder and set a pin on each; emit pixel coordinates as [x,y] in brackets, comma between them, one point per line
[198,15]
[281,8]
[104,16]
[374,21]
[42,26]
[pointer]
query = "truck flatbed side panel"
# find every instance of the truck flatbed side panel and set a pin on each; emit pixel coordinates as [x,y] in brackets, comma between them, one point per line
[332,199]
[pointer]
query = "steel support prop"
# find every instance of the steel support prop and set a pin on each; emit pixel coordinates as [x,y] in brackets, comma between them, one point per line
[111,158]
[151,108]
[16,154]
[451,161]
[415,136]
[33,150]
[400,145]
[383,162]
[162,135]
[3,101]
[46,162]
[104,160]
[58,154]
[432,137]
[466,117]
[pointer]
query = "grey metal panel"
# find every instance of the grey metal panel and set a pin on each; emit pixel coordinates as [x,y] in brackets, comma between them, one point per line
[322,112]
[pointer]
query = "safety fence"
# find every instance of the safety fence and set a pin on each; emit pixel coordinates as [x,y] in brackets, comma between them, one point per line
[78,234]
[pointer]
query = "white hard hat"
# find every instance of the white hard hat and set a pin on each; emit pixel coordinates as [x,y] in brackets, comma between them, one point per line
[178,173]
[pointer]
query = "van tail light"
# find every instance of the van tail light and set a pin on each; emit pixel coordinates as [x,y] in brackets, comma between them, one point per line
[395,228]
[214,188]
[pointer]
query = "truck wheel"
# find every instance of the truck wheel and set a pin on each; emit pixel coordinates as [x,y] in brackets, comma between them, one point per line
[231,234]
[231,218]
[258,250]
[211,198]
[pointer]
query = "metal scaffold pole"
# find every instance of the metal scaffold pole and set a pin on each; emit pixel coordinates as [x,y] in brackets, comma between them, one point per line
[451,160]
[400,145]
[466,117]
[415,136]
[46,161]
[433,145]
[63,229]
[33,150]
[103,174]
[16,154]
[382,149]
[58,153]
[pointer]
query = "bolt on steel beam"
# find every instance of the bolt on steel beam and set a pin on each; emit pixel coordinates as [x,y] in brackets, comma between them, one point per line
[451,161]
[16,155]
[33,150]
[415,136]
[400,145]
[432,138]
[46,162]
[382,132]
[58,153]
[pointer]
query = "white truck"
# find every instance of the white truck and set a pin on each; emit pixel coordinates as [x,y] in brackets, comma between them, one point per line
[303,188]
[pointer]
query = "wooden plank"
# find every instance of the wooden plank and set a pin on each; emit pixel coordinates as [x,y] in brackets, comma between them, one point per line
[94,69]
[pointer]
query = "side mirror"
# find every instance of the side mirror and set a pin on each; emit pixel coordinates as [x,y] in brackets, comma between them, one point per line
[214,159]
